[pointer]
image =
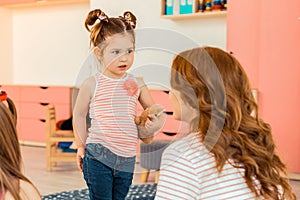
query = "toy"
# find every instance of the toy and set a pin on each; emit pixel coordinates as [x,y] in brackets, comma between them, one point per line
[208,5]
[217,5]
[144,119]
[224,4]
[201,7]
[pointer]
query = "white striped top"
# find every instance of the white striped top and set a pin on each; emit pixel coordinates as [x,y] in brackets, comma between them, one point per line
[188,171]
[112,113]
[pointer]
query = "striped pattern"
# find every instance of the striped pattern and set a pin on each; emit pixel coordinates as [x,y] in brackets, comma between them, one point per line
[112,113]
[188,172]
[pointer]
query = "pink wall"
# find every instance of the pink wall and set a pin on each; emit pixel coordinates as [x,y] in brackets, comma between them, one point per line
[265,37]
[279,77]
[243,35]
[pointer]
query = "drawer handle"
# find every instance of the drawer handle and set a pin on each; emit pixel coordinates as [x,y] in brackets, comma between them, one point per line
[42,120]
[44,87]
[44,104]
[166,91]
[168,112]
[169,133]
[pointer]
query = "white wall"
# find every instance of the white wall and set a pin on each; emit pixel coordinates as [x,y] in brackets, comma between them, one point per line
[163,38]
[49,44]
[6,66]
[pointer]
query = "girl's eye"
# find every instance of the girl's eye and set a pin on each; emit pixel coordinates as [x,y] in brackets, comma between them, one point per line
[129,51]
[116,52]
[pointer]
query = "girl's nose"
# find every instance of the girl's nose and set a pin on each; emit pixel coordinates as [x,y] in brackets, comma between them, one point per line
[124,57]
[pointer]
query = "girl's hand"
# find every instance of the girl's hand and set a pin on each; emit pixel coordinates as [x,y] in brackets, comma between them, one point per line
[79,157]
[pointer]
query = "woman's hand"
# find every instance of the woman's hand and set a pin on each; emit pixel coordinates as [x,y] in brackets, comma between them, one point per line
[146,133]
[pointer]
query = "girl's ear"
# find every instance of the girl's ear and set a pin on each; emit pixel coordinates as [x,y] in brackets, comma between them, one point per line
[98,53]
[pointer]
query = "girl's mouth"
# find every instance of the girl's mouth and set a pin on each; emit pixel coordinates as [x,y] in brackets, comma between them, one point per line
[122,66]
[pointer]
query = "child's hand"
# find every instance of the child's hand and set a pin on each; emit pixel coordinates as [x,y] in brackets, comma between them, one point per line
[79,157]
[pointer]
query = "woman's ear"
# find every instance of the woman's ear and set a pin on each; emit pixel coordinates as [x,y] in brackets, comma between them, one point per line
[98,53]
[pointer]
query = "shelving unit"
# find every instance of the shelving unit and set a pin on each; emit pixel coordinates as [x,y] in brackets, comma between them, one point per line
[195,14]
[13,4]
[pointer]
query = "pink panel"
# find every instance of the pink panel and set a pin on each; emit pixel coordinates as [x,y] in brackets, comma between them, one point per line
[279,77]
[12,91]
[243,31]
[63,111]
[162,136]
[47,95]
[32,130]
[32,110]
[160,97]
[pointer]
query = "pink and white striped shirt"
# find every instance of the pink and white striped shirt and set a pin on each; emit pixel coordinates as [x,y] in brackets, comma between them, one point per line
[112,113]
[188,171]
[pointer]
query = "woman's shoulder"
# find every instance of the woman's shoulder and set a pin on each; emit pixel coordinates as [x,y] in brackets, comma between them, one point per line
[186,144]
[27,192]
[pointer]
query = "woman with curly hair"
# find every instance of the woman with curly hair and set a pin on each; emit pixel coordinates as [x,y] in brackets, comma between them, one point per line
[229,152]
[13,183]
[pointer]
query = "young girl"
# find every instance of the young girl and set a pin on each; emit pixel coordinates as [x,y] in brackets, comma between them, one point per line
[13,184]
[108,150]
[229,152]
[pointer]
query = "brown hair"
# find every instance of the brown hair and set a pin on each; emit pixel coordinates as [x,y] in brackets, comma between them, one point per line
[108,26]
[10,153]
[244,137]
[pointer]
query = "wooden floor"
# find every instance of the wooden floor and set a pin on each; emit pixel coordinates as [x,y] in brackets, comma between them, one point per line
[63,177]
[66,176]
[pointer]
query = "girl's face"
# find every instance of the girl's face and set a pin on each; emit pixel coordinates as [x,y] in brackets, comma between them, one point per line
[117,56]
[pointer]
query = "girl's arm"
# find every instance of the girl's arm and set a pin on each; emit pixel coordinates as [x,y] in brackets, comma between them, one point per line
[157,122]
[146,101]
[145,98]
[80,111]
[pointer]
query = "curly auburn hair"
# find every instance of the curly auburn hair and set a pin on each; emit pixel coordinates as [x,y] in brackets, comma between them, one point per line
[244,139]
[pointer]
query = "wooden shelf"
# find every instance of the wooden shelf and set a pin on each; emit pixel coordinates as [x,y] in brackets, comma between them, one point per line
[37,3]
[195,15]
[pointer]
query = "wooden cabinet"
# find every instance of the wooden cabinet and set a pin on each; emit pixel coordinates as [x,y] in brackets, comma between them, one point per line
[192,13]
[31,102]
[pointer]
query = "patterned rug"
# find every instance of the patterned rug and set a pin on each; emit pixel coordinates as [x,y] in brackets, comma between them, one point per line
[140,192]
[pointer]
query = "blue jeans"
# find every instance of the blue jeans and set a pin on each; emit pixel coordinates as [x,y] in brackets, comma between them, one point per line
[108,176]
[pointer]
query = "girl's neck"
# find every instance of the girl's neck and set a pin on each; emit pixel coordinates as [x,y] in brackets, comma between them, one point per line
[113,77]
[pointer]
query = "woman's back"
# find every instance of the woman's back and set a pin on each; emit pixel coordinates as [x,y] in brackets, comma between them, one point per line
[188,166]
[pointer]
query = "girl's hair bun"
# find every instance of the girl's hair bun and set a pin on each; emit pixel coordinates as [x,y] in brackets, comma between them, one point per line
[130,18]
[93,16]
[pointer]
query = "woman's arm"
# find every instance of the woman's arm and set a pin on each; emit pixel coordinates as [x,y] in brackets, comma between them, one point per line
[80,111]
